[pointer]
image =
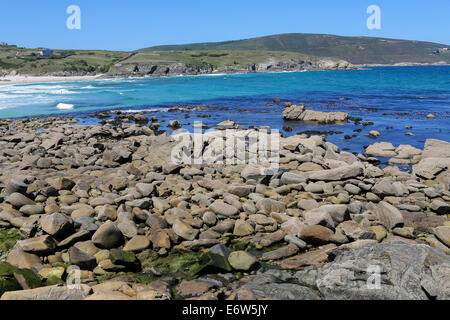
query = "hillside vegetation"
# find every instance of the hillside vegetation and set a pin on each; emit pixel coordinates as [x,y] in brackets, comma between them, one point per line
[356,50]
[284,52]
[63,62]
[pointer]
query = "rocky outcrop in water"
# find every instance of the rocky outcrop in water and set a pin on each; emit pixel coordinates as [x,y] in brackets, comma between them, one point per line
[297,113]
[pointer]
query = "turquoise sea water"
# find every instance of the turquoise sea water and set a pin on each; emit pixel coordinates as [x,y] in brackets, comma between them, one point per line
[391,97]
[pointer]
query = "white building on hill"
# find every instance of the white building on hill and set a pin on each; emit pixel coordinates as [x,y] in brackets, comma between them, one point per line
[46,52]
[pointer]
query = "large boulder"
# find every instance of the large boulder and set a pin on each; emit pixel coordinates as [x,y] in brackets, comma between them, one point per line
[407,272]
[294,112]
[389,215]
[435,159]
[336,174]
[108,236]
[50,293]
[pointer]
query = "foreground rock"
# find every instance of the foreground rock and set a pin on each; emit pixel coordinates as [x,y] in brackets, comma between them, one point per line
[108,199]
[407,272]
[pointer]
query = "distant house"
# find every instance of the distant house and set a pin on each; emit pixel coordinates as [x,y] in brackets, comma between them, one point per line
[46,52]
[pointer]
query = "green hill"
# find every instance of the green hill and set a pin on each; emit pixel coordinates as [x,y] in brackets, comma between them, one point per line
[356,50]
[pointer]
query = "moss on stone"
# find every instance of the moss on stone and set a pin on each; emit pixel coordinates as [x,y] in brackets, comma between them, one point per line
[177,262]
[12,278]
[238,245]
[8,239]
[53,280]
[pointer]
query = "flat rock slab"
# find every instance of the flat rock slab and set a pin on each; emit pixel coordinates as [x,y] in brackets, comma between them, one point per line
[316,258]
[407,271]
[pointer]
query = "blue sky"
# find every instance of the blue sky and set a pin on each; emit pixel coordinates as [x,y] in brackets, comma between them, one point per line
[134,24]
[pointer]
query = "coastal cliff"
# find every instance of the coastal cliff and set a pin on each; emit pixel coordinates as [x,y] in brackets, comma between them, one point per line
[159,69]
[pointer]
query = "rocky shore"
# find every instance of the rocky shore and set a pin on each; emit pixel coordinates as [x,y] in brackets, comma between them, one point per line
[167,69]
[106,201]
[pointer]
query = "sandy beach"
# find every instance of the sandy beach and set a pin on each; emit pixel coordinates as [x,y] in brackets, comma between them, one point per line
[39,79]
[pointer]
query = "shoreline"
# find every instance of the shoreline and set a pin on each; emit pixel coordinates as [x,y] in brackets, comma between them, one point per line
[23,79]
[7,80]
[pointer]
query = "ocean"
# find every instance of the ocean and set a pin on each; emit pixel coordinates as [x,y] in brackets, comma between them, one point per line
[389,97]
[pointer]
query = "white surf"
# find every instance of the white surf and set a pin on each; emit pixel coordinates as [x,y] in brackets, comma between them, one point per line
[64,106]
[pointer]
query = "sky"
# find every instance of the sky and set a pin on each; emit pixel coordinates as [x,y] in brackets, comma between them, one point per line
[134,24]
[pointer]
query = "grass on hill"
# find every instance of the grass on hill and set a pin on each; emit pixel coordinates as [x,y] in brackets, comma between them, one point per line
[356,50]
[216,58]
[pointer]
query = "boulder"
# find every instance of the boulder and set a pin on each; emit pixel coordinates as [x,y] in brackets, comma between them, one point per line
[336,174]
[56,224]
[43,245]
[443,234]
[389,215]
[184,230]
[108,236]
[18,200]
[241,260]
[406,272]
[294,112]
[222,208]
[52,293]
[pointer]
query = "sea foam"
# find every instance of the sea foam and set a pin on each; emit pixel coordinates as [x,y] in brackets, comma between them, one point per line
[64,106]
